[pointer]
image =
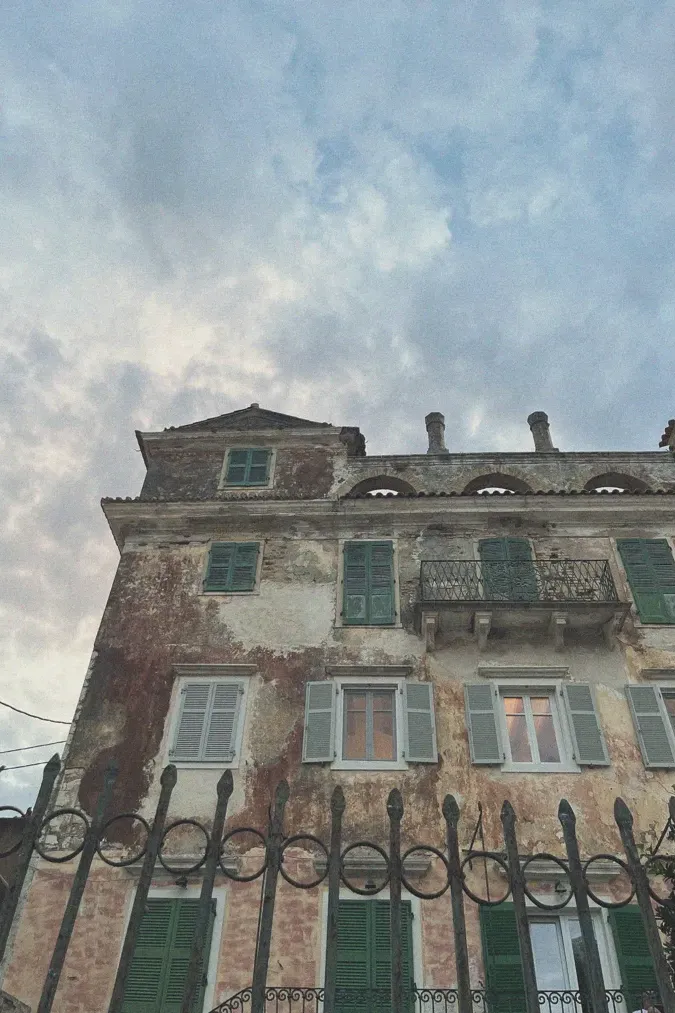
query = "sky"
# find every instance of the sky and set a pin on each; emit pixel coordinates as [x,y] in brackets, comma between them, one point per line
[356,212]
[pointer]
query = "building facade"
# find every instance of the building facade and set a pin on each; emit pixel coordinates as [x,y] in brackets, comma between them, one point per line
[493,626]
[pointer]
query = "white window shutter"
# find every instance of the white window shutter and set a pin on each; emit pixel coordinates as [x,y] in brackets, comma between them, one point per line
[481,720]
[650,726]
[318,744]
[590,749]
[420,724]
[194,707]
[221,735]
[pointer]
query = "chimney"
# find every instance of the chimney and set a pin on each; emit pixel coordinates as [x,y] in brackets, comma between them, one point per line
[435,423]
[538,422]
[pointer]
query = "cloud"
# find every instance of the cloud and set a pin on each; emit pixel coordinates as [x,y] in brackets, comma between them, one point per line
[356,212]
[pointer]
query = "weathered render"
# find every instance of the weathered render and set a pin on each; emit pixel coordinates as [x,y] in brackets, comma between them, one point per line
[160,625]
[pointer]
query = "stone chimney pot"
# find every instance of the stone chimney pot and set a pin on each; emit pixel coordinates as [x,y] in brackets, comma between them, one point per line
[435,423]
[538,423]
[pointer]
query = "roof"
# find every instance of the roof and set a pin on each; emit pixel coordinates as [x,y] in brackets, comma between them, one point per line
[253,417]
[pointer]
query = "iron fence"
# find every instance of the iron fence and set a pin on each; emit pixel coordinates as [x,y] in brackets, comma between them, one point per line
[541,580]
[333,868]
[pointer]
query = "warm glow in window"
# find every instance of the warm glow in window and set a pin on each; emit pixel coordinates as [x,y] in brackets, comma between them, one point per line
[531,728]
[369,725]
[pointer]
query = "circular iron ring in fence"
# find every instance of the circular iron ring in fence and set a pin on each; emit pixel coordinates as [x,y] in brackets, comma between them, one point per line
[123,862]
[600,900]
[287,844]
[235,875]
[413,890]
[484,901]
[546,857]
[47,820]
[183,870]
[667,860]
[358,889]
[22,815]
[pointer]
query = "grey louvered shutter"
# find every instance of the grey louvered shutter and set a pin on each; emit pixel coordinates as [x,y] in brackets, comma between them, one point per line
[318,744]
[590,749]
[481,721]
[224,714]
[195,697]
[420,722]
[650,726]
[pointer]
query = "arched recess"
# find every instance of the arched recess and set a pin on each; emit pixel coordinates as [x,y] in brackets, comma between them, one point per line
[615,481]
[381,483]
[497,481]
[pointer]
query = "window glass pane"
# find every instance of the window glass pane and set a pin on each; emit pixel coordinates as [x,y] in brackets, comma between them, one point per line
[669,701]
[354,745]
[514,709]
[384,745]
[549,955]
[545,729]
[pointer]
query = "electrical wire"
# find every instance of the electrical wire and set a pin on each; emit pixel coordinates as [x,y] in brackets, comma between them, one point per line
[37,717]
[21,766]
[20,749]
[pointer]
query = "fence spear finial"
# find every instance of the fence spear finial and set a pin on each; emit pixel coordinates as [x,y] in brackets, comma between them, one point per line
[395,804]
[450,809]
[622,813]
[337,800]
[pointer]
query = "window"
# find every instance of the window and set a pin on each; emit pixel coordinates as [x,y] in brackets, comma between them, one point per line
[232,566]
[159,965]
[209,723]
[368,584]
[249,466]
[546,727]
[653,712]
[363,975]
[355,724]
[650,570]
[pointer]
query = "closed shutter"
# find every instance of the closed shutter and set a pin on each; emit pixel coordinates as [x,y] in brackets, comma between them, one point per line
[368,597]
[318,744]
[159,965]
[208,721]
[638,981]
[504,985]
[258,469]
[237,463]
[481,722]
[364,956]
[650,570]
[381,960]
[590,748]
[508,573]
[420,723]
[248,467]
[650,726]
[232,566]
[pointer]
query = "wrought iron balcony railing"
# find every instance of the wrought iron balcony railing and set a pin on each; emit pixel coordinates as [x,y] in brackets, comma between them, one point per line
[432,1000]
[541,580]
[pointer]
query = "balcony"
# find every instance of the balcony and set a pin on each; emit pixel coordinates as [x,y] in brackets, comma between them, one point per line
[458,595]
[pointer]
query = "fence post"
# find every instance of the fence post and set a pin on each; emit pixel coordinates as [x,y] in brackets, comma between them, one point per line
[168,783]
[395,812]
[568,821]
[274,844]
[624,821]
[451,814]
[30,835]
[91,842]
[508,818]
[199,959]
[337,808]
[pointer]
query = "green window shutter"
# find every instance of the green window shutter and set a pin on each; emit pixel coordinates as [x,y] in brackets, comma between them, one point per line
[248,467]
[219,567]
[508,573]
[222,725]
[364,956]
[501,956]
[481,722]
[245,566]
[420,746]
[160,961]
[318,744]
[650,726]
[381,954]
[368,592]
[590,748]
[650,570]
[195,700]
[638,980]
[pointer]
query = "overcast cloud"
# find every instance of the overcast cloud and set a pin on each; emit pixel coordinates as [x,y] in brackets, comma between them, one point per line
[357,212]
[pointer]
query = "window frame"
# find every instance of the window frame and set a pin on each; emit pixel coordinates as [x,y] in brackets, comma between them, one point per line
[223,484]
[258,568]
[553,690]
[183,677]
[603,936]
[363,682]
[669,689]
[340,589]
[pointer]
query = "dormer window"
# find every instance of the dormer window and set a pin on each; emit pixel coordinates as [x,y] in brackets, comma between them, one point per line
[247,466]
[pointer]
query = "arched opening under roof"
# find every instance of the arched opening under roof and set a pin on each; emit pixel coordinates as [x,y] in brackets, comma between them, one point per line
[614,481]
[496,483]
[381,485]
